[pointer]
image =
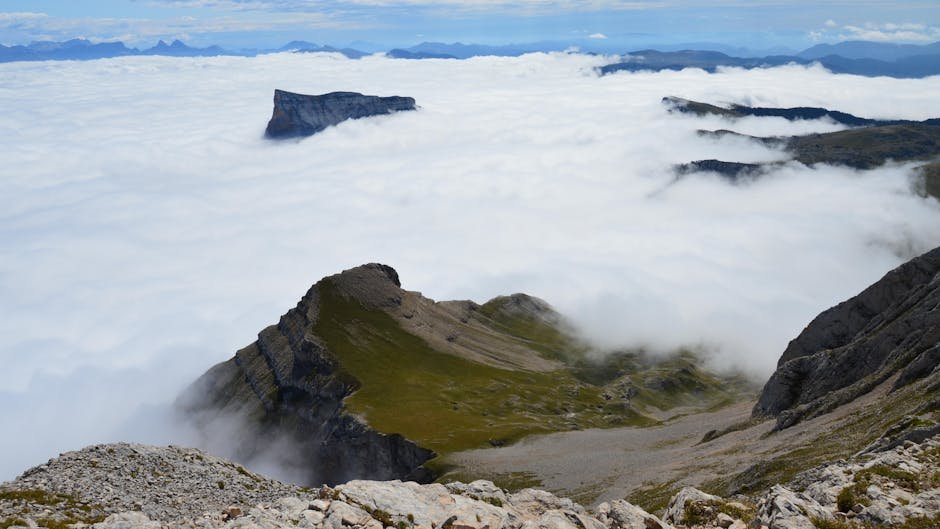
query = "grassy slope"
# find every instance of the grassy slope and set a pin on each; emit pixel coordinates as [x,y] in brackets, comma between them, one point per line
[868,147]
[449,404]
[446,403]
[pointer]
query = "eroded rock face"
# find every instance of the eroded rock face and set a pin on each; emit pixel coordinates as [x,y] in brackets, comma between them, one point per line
[892,327]
[286,389]
[298,115]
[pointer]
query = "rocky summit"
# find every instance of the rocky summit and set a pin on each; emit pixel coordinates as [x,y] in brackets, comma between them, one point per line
[134,486]
[303,115]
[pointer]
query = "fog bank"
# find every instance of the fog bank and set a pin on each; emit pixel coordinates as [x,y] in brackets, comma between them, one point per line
[149,230]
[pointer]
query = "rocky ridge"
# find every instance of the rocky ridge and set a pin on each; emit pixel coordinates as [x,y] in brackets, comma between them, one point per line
[891,329]
[303,115]
[134,486]
[869,143]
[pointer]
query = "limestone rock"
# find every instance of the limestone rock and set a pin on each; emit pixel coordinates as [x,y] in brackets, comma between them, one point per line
[785,509]
[620,514]
[686,499]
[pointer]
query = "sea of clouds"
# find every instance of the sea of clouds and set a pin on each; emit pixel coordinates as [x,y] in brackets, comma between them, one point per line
[149,230]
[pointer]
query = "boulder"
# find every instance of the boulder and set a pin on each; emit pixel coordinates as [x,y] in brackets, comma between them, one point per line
[686,499]
[620,514]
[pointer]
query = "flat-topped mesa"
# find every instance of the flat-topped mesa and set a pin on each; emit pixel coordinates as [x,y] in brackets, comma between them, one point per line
[297,115]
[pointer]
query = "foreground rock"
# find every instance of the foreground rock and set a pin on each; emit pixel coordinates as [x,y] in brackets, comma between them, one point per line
[304,115]
[890,329]
[134,486]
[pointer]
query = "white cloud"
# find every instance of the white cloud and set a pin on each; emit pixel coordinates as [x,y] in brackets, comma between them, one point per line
[149,231]
[597,36]
[889,32]
[143,31]
[831,23]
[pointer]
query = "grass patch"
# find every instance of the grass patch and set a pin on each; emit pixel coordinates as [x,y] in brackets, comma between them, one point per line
[906,479]
[539,334]
[852,495]
[68,508]
[38,496]
[925,522]
[654,498]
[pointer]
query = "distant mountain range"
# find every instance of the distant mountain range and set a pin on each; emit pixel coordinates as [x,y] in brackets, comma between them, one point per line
[922,63]
[851,57]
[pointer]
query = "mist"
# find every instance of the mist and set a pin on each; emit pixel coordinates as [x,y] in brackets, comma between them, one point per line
[149,230]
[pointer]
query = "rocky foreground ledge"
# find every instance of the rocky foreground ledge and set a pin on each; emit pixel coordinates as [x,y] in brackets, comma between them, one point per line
[124,486]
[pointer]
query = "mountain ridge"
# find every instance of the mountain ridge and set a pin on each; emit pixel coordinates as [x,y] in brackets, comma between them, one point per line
[335,372]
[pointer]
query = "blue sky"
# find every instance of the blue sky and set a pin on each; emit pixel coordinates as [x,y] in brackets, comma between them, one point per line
[601,23]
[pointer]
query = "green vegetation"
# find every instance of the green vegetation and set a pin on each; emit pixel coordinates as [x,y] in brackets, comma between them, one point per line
[69,510]
[537,333]
[912,523]
[908,480]
[850,496]
[380,515]
[654,497]
[868,147]
[931,522]
[12,521]
[855,433]
[38,496]
[453,404]
[706,512]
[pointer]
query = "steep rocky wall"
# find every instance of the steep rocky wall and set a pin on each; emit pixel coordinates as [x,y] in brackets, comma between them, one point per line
[892,327]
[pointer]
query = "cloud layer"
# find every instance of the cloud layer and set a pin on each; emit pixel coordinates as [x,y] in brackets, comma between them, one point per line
[149,231]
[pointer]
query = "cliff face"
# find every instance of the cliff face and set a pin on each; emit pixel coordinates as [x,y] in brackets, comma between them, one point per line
[287,384]
[304,115]
[891,329]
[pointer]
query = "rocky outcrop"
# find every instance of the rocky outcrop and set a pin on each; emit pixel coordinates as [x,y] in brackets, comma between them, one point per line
[303,115]
[891,328]
[868,144]
[678,104]
[734,172]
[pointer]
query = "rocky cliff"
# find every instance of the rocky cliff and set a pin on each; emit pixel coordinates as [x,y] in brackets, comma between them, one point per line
[288,386]
[304,115]
[891,329]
